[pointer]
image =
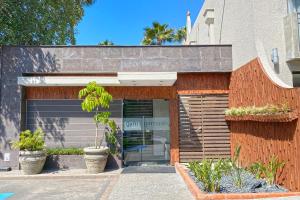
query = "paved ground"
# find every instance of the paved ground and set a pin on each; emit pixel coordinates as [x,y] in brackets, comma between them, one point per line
[150,183]
[57,185]
[133,183]
[64,188]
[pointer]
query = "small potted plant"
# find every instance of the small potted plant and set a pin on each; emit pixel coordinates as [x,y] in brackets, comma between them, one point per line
[32,155]
[95,99]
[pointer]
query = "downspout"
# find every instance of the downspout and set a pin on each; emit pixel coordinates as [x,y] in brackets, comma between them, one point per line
[222,20]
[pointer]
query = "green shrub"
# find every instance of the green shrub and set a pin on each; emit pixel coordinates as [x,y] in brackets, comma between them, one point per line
[65,151]
[30,141]
[209,173]
[252,110]
[268,170]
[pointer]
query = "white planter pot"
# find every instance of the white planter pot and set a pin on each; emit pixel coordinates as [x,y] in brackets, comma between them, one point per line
[32,162]
[95,159]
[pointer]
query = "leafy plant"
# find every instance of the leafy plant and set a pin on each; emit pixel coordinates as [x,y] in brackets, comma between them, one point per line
[65,151]
[237,170]
[106,43]
[41,22]
[30,141]
[158,34]
[180,35]
[271,169]
[268,170]
[209,173]
[257,169]
[269,109]
[95,99]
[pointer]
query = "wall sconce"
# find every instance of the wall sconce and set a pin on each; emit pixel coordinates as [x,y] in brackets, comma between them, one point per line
[274,56]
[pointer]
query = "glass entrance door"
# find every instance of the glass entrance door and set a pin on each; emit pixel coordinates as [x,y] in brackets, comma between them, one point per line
[146,137]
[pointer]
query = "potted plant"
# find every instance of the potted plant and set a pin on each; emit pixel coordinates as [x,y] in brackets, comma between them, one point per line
[96,99]
[32,155]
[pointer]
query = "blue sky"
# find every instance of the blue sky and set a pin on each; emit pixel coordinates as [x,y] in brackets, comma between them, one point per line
[123,21]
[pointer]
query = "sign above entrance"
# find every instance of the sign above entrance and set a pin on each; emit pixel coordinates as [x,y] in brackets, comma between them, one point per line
[146,124]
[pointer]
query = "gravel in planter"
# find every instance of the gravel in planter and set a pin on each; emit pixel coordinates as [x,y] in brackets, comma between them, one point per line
[249,184]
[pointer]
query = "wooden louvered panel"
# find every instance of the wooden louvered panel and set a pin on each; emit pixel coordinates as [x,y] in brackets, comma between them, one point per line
[203,130]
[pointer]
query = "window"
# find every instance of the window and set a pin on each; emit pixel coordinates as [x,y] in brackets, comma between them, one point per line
[296,79]
[294,6]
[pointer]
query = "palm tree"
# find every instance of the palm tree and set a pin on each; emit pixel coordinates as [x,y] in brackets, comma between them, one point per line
[180,35]
[106,43]
[158,34]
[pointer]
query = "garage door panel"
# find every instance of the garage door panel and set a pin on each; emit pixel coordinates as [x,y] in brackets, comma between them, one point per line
[64,123]
[68,108]
[62,120]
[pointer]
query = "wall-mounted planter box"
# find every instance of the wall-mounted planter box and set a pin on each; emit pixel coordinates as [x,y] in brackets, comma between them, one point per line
[286,117]
[200,195]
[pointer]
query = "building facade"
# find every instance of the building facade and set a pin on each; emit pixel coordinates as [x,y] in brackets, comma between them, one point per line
[168,101]
[265,29]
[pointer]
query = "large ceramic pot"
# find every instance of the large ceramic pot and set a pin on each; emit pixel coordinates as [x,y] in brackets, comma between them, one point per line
[95,159]
[32,162]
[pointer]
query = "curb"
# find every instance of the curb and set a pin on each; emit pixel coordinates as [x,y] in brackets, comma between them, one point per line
[70,175]
[199,195]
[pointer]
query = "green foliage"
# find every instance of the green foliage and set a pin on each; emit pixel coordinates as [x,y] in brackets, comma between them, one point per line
[237,170]
[159,34]
[30,141]
[106,43]
[40,22]
[209,172]
[268,170]
[65,151]
[252,110]
[111,136]
[95,99]
[272,168]
[180,35]
[256,169]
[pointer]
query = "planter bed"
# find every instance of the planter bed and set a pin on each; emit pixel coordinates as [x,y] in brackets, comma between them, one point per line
[286,117]
[55,162]
[246,193]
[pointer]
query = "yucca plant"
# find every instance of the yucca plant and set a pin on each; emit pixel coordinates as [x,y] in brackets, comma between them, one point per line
[237,170]
[271,169]
[256,169]
[268,171]
[209,173]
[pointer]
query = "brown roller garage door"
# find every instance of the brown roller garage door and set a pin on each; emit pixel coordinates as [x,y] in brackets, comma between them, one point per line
[64,123]
[204,132]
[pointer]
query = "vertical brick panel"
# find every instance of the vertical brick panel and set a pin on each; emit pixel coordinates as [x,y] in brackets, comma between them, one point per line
[250,86]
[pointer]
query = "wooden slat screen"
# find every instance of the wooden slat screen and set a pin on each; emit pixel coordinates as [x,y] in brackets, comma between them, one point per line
[204,132]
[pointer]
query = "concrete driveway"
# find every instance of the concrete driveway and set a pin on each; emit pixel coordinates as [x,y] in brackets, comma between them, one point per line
[134,183]
[62,188]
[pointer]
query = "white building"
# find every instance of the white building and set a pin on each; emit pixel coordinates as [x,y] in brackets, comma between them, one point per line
[256,28]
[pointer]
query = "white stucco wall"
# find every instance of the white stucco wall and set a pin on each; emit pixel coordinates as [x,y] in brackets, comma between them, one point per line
[253,27]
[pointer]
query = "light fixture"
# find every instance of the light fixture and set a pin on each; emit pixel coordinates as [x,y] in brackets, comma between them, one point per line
[274,56]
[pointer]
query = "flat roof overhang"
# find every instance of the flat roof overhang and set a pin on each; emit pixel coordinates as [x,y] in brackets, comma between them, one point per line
[122,79]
